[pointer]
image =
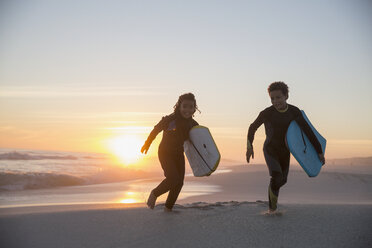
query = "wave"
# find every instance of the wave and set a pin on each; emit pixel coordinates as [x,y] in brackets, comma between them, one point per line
[17,181]
[23,181]
[25,156]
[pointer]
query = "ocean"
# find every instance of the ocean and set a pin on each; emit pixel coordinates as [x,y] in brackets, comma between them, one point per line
[38,178]
[29,169]
[32,177]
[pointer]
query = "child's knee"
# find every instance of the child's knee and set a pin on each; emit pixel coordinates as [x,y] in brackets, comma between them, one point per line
[176,182]
[277,180]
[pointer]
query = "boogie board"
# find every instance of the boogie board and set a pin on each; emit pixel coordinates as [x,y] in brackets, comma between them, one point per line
[201,151]
[302,149]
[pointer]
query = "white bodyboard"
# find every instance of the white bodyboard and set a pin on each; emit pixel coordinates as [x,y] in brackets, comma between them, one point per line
[201,151]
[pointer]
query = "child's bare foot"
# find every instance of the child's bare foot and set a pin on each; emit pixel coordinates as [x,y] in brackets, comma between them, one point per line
[167,210]
[151,200]
[271,212]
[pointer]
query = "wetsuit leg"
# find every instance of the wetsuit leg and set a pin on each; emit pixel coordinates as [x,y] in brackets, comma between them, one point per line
[275,170]
[174,172]
[284,164]
[176,183]
[278,164]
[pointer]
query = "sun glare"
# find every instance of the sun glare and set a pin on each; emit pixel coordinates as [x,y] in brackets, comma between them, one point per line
[126,201]
[126,148]
[131,197]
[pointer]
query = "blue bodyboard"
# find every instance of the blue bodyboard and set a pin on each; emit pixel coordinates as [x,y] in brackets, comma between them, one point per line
[302,149]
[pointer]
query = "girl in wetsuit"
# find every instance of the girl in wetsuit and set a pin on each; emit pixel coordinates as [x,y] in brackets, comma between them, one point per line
[277,119]
[175,127]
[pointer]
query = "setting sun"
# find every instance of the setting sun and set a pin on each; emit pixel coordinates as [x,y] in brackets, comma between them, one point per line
[126,148]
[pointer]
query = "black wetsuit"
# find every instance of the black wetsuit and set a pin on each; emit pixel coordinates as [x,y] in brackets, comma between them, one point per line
[175,131]
[275,149]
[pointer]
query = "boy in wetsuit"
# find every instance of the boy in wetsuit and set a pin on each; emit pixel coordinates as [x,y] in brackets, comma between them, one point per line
[277,119]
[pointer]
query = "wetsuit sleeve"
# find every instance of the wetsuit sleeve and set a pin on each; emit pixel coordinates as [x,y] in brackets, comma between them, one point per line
[253,128]
[157,129]
[309,132]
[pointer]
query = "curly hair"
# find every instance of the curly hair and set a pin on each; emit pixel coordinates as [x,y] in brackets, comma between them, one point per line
[181,98]
[278,86]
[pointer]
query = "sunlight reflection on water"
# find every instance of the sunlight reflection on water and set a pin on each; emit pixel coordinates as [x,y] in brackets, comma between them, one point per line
[138,191]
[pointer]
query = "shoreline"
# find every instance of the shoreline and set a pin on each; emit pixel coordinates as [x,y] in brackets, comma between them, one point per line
[238,183]
[58,208]
[82,207]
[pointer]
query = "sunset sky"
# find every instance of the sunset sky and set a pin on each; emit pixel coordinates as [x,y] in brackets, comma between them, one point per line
[84,75]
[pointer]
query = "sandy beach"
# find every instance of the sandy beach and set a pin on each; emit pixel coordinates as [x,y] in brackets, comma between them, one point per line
[332,210]
[227,224]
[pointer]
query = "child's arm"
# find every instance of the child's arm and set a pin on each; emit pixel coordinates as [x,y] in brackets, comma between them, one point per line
[250,152]
[310,134]
[157,129]
[250,136]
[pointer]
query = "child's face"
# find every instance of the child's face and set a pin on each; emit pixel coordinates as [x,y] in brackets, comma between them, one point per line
[278,99]
[187,108]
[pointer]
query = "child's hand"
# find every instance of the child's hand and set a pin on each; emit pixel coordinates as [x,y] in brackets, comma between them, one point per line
[321,158]
[145,148]
[249,154]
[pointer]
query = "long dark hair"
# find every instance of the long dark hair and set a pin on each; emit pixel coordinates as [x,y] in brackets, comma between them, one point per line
[181,98]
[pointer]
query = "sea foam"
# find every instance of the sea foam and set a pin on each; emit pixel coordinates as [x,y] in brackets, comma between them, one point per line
[22,181]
